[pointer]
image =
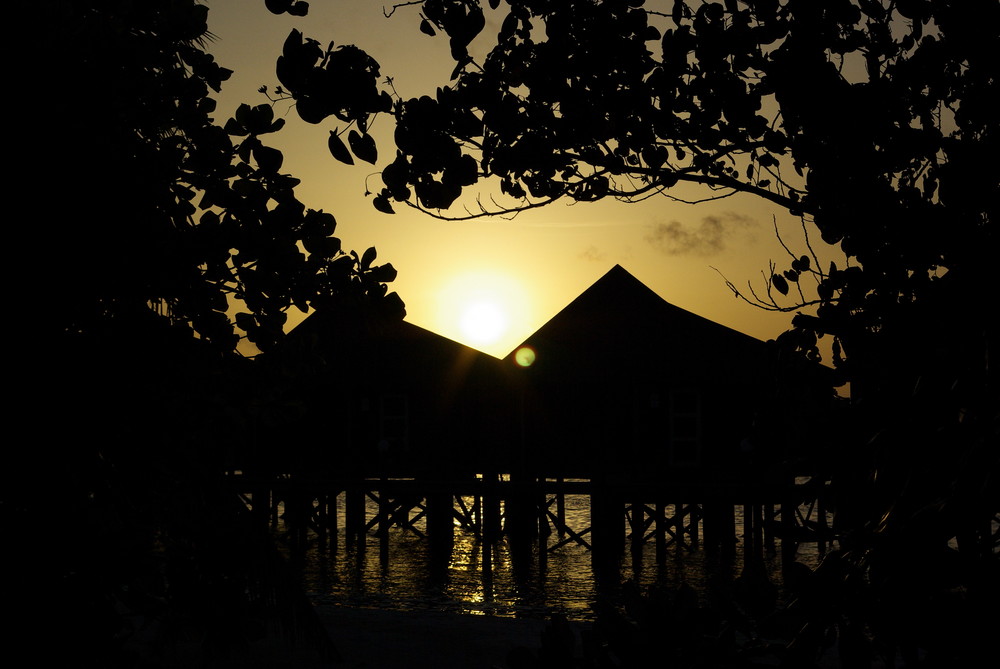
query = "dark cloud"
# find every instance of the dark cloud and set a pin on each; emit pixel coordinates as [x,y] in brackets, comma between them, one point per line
[708,238]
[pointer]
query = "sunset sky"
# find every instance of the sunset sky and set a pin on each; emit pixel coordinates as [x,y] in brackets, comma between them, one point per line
[469,280]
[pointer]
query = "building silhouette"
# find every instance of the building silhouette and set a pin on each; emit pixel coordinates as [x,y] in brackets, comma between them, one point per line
[623,384]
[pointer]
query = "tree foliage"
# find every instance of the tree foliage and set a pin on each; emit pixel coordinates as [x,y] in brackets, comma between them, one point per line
[155,238]
[871,120]
[174,218]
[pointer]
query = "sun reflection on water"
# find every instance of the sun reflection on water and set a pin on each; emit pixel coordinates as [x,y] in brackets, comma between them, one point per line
[510,585]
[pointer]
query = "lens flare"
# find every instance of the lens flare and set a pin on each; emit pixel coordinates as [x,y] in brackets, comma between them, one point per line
[525,356]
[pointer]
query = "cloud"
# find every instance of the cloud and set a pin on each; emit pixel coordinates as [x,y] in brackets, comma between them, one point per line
[592,253]
[708,238]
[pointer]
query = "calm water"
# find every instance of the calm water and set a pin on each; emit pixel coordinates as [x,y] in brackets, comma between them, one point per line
[337,574]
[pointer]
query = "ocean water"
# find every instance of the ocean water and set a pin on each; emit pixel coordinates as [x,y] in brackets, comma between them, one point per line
[402,574]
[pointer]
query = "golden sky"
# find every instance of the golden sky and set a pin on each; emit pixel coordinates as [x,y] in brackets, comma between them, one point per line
[511,274]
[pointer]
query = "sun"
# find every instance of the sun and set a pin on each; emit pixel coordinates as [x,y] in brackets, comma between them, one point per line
[483,322]
[484,309]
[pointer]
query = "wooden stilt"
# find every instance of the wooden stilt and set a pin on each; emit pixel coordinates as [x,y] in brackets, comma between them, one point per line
[560,507]
[543,530]
[727,529]
[710,510]
[660,528]
[384,519]
[477,514]
[695,522]
[821,526]
[679,527]
[333,512]
[440,526]
[636,518]
[354,510]
[768,529]
[607,529]
[491,510]
[789,547]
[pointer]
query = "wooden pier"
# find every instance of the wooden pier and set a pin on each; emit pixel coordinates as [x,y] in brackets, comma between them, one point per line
[667,423]
[679,514]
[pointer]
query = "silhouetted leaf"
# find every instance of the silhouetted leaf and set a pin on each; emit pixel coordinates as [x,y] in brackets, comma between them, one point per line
[327,247]
[368,258]
[426,28]
[384,273]
[278,6]
[679,11]
[235,128]
[245,321]
[382,204]
[363,146]
[268,159]
[766,160]
[257,120]
[338,149]
[779,284]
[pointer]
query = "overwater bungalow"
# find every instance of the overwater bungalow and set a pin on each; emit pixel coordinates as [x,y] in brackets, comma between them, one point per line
[619,383]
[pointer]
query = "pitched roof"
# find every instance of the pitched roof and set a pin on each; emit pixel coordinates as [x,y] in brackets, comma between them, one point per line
[621,324]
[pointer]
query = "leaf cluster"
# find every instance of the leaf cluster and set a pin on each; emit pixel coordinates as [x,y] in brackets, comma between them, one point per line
[868,120]
[872,121]
[176,218]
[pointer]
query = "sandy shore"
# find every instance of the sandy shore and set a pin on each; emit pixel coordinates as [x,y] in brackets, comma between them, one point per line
[377,639]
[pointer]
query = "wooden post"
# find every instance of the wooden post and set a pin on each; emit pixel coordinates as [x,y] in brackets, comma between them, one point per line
[710,519]
[522,516]
[333,510]
[487,565]
[727,529]
[561,507]
[440,526]
[354,510]
[789,547]
[821,524]
[636,521]
[747,533]
[661,533]
[751,533]
[679,526]
[298,509]
[491,510]
[543,530]
[695,521]
[384,510]
[477,514]
[607,529]
[768,529]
